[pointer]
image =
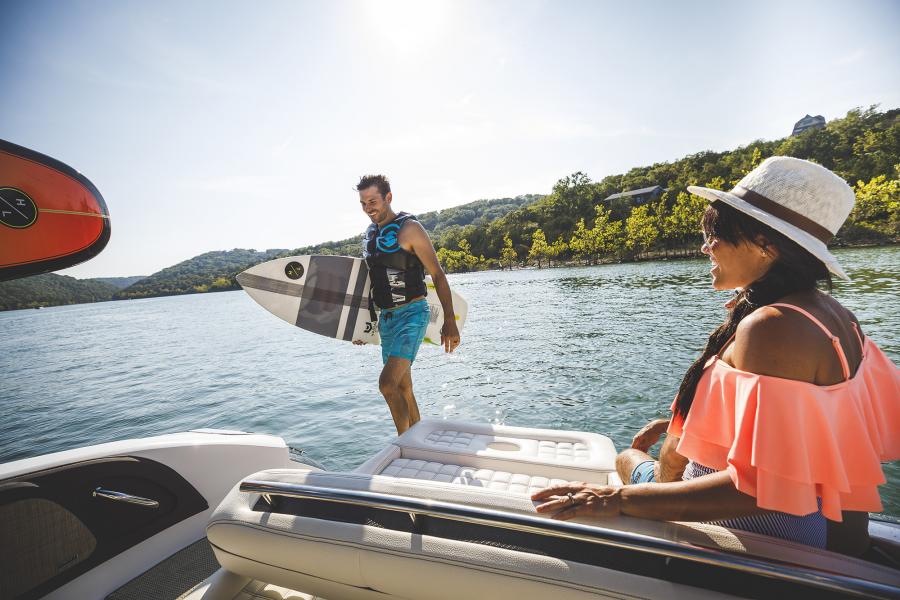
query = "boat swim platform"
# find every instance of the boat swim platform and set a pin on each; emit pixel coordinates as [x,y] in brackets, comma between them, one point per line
[512,459]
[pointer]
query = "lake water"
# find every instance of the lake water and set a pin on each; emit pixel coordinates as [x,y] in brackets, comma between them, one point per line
[592,348]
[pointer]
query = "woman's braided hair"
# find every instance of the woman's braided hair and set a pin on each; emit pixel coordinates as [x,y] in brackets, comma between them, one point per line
[795,270]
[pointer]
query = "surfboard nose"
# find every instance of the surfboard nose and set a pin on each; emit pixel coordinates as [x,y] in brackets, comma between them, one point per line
[243,278]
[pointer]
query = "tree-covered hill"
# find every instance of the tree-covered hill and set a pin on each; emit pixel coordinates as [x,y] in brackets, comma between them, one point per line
[475,213]
[119,282]
[52,290]
[215,271]
[576,221]
[209,272]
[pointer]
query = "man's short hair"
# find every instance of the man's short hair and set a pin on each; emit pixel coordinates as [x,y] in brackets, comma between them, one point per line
[367,181]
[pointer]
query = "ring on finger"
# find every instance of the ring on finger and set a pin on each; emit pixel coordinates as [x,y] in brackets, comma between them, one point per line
[571,497]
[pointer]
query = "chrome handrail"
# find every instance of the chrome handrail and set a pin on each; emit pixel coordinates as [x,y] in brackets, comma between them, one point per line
[575,531]
[123,497]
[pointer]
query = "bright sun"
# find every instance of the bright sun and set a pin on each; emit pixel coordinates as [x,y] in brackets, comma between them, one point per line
[407,25]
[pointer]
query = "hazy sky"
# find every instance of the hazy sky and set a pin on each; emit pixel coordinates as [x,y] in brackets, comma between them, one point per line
[216,125]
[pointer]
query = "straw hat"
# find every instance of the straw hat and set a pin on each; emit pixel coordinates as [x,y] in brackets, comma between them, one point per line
[803,200]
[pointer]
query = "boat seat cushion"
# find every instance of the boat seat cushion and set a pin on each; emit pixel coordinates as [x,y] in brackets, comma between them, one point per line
[573,449]
[494,479]
[319,556]
[297,551]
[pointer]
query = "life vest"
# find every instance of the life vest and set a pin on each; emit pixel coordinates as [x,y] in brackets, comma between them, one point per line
[397,276]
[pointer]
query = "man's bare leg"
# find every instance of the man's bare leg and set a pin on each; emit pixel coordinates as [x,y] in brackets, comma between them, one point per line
[406,388]
[628,459]
[392,376]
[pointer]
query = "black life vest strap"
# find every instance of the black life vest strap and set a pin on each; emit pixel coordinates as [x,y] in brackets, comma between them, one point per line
[373,316]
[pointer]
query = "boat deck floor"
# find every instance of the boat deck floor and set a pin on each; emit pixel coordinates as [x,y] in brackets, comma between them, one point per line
[174,577]
[182,577]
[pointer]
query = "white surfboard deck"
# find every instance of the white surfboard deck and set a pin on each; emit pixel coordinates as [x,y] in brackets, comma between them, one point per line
[329,295]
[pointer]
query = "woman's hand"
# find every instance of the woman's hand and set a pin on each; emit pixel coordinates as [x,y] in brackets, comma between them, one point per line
[579,499]
[649,434]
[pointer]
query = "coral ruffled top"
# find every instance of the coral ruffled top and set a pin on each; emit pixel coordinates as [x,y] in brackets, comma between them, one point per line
[789,442]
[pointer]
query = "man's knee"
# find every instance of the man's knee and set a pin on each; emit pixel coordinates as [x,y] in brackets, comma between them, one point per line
[388,386]
[626,461]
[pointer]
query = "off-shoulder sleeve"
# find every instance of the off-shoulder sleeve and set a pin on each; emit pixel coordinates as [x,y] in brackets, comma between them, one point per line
[788,442]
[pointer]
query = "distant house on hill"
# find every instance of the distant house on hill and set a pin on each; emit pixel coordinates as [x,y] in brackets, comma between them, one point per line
[808,122]
[636,197]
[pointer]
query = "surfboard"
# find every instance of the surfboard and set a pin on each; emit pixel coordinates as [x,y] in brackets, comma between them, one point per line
[51,216]
[329,295]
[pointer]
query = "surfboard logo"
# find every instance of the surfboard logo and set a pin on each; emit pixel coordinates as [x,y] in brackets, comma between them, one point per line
[293,270]
[17,209]
[388,239]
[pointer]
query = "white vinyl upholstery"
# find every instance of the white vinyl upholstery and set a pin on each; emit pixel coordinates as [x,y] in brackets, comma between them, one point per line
[515,459]
[344,560]
[516,483]
[477,465]
[223,585]
[589,451]
[549,450]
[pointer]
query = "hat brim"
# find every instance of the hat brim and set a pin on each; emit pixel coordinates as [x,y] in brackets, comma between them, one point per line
[806,241]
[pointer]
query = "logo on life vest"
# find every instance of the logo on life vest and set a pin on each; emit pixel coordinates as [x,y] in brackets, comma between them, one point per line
[17,209]
[388,239]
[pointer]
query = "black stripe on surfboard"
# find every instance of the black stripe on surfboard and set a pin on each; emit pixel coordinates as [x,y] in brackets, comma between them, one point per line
[267,284]
[362,274]
[327,277]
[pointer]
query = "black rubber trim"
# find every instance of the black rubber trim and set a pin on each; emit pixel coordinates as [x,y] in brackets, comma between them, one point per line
[116,526]
[68,260]
[674,570]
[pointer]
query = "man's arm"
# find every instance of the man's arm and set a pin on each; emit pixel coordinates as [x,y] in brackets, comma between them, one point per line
[671,464]
[414,238]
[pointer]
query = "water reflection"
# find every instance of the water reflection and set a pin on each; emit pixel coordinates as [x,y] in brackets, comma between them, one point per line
[650,281]
[865,281]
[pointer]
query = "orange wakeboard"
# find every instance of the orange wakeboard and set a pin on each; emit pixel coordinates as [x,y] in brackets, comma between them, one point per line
[51,216]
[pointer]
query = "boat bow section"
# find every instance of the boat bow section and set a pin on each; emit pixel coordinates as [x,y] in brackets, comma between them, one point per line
[81,523]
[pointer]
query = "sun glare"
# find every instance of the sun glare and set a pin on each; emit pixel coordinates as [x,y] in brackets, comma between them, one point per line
[407,25]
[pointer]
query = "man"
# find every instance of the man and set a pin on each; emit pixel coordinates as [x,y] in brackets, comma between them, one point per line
[398,251]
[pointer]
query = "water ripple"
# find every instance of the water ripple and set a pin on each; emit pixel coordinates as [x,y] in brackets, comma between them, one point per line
[594,348]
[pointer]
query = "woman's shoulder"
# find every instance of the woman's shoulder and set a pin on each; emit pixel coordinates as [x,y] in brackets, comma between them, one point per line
[782,342]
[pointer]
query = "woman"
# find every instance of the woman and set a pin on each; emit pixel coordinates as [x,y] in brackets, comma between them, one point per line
[780,426]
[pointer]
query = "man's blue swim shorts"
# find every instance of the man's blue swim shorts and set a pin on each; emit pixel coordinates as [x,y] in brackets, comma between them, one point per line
[643,473]
[402,330]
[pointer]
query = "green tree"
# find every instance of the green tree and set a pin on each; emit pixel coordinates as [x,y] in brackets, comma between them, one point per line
[558,249]
[608,236]
[451,260]
[469,260]
[539,247]
[640,230]
[508,254]
[582,243]
[682,224]
[755,158]
[876,214]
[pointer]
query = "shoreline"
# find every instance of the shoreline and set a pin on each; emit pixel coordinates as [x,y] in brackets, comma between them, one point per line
[657,257]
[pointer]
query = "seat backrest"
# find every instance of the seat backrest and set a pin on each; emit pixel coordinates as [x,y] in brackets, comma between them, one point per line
[298,542]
